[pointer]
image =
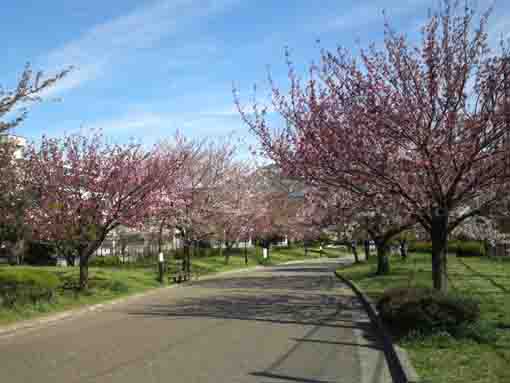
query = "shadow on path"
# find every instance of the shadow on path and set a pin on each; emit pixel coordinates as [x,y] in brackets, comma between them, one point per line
[297,283]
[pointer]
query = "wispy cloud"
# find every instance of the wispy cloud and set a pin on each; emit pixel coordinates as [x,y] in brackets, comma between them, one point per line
[368,13]
[99,47]
[148,124]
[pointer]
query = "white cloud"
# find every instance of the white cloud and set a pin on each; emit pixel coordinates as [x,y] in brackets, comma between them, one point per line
[130,122]
[95,51]
[366,14]
[142,124]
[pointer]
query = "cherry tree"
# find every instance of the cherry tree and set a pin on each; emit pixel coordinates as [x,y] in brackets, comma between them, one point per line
[85,187]
[277,200]
[481,228]
[190,205]
[13,110]
[29,88]
[12,199]
[232,220]
[427,123]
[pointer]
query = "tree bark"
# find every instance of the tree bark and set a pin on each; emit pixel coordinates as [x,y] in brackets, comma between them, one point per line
[366,244]
[439,236]
[185,251]
[354,252]
[383,262]
[160,236]
[403,248]
[227,254]
[188,263]
[84,272]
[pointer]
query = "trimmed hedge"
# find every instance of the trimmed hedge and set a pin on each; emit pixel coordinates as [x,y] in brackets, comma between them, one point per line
[461,248]
[425,310]
[105,261]
[23,285]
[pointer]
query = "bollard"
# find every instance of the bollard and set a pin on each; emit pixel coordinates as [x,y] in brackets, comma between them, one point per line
[160,267]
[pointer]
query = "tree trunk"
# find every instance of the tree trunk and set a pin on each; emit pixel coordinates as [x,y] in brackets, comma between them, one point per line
[354,252]
[366,244]
[185,250]
[403,248]
[70,258]
[228,248]
[245,253]
[227,254]
[84,272]
[188,263]
[160,236]
[439,236]
[383,262]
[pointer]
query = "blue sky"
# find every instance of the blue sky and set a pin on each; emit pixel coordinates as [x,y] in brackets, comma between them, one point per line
[147,68]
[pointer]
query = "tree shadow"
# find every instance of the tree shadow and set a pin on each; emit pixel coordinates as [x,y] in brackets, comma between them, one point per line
[292,308]
[285,282]
[487,277]
[300,269]
[375,345]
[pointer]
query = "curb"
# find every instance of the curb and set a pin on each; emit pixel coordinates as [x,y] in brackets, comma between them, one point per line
[400,367]
[32,324]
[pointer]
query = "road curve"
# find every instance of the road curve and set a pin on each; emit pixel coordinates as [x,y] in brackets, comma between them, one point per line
[293,323]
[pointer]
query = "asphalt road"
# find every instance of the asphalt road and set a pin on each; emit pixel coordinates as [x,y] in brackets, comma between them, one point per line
[293,323]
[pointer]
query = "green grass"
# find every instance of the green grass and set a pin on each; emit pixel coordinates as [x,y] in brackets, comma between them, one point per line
[441,358]
[107,283]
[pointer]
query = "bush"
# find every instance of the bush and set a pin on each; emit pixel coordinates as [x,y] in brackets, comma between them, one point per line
[23,285]
[426,310]
[420,247]
[40,254]
[119,287]
[461,248]
[106,261]
[469,249]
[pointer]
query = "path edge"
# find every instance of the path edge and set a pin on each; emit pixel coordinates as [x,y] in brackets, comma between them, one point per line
[33,324]
[399,364]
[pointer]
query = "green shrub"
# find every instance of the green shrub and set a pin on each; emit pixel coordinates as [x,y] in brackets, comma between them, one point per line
[420,247]
[461,248]
[426,310]
[119,287]
[105,261]
[40,254]
[470,249]
[482,332]
[20,286]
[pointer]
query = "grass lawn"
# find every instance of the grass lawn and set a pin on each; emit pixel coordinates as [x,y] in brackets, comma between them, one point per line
[442,358]
[107,283]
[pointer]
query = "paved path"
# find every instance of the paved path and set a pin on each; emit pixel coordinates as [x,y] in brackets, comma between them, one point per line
[293,323]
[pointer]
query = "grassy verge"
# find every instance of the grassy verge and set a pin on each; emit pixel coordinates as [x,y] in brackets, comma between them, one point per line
[442,358]
[107,283]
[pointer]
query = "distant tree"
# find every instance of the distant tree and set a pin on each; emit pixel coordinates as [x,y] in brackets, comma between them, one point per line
[428,123]
[190,205]
[232,219]
[84,188]
[483,229]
